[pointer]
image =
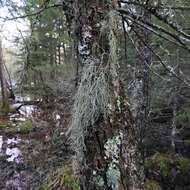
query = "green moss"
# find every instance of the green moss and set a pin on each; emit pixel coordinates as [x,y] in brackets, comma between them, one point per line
[159,162]
[183,164]
[22,128]
[70,181]
[183,116]
[152,185]
[163,164]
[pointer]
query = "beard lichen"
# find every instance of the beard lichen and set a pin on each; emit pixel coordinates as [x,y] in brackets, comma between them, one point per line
[91,102]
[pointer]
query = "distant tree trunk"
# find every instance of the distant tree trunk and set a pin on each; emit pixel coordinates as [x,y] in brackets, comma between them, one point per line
[175,104]
[3,82]
[64,53]
[9,84]
[174,124]
[59,54]
[59,43]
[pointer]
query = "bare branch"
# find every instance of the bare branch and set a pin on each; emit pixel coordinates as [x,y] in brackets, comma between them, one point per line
[153,27]
[39,11]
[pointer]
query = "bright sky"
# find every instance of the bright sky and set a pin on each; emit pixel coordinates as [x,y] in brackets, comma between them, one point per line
[10,29]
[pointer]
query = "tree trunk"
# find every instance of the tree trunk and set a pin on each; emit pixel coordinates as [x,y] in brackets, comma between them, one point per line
[91,127]
[131,169]
[90,156]
[175,104]
[4,93]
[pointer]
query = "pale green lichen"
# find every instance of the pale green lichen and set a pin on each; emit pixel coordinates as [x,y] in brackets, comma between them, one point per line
[113,175]
[91,102]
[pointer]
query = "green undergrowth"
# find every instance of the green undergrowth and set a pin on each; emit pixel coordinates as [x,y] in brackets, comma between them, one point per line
[183,116]
[152,185]
[164,164]
[63,179]
[159,162]
[4,126]
[22,128]
[4,109]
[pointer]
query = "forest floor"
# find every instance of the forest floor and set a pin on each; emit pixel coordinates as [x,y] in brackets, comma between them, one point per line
[34,152]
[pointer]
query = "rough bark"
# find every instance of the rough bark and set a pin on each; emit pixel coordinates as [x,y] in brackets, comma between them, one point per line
[121,118]
[130,166]
[92,136]
[86,29]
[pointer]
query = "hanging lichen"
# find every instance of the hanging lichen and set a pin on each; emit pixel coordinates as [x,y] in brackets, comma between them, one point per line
[91,101]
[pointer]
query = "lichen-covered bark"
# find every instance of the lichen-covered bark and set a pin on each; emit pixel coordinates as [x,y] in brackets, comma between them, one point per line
[130,166]
[121,118]
[92,122]
[87,126]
